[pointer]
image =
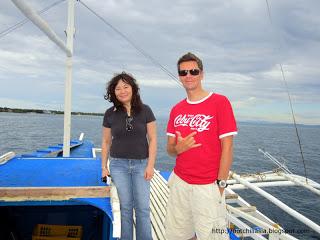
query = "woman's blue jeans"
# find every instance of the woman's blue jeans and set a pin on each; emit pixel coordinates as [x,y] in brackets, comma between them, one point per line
[134,193]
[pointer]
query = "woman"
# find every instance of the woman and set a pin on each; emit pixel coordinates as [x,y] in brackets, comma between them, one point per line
[129,138]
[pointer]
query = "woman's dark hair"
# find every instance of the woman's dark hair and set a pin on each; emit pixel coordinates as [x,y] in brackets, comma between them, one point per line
[136,103]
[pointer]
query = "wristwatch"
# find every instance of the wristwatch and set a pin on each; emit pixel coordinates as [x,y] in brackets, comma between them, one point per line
[222,183]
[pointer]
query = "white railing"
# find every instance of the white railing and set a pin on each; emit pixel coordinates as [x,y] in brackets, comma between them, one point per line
[6,157]
[277,202]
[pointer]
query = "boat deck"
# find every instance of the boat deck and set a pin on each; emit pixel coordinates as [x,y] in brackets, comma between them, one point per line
[40,179]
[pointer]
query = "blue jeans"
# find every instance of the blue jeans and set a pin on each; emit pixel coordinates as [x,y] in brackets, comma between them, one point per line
[134,193]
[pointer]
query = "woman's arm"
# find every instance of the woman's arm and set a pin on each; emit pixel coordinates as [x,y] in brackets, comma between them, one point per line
[105,146]
[152,139]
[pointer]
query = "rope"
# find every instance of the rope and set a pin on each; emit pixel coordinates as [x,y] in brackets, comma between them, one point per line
[139,49]
[24,21]
[260,176]
[290,102]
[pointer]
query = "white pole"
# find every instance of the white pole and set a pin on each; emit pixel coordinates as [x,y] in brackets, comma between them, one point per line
[239,186]
[273,159]
[41,24]
[68,81]
[68,49]
[270,229]
[115,204]
[245,230]
[277,202]
[303,184]
[287,176]
[6,157]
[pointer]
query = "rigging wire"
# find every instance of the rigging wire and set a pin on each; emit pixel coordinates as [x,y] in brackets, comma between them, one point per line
[24,21]
[290,102]
[145,54]
[139,49]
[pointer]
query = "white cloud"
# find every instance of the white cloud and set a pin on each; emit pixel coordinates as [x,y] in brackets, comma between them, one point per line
[246,103]
[240,49]
[159,83]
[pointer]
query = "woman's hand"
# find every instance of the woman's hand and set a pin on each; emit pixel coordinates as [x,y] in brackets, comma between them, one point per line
[105,172]
[148,172]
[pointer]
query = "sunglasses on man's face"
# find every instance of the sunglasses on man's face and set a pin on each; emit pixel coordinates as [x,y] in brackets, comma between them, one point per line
[193,72]
[129,126]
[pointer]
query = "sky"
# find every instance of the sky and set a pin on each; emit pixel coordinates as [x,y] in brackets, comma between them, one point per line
[241,49]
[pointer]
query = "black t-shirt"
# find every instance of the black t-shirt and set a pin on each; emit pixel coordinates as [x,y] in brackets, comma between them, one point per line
[128,144]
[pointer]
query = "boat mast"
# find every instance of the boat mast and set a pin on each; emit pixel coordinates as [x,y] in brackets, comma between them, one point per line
[67,48]
[68,81]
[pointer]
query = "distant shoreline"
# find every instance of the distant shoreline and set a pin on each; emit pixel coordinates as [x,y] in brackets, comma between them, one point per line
[41,111]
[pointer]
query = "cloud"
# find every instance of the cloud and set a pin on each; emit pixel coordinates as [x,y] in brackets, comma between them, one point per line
[240,49]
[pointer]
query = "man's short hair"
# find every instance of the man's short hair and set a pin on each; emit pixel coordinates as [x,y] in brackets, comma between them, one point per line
[190,57]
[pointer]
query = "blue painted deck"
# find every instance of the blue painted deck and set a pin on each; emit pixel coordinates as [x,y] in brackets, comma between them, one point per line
[38,170]
[28,170]
[165,174]
[57,149]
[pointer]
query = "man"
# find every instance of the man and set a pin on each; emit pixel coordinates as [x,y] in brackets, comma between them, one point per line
[200,135]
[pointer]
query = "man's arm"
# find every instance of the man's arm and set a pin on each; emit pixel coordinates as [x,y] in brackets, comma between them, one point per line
[171,146]
[175,148]
[226,158]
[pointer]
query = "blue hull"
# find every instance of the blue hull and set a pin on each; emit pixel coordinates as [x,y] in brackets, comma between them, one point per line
[38,170]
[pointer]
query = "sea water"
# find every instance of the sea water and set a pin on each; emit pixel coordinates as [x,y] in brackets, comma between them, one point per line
[24,133]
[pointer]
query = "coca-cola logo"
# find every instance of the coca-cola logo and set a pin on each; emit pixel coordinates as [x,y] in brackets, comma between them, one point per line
[199,122]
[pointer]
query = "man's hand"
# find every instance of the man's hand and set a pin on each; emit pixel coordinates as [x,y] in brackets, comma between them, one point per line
[184,144]
[221,190]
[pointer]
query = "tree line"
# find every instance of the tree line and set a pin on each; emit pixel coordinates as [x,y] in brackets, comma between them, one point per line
[41,111]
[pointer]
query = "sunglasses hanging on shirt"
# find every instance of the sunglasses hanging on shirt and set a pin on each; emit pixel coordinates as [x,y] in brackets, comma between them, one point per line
[129,126]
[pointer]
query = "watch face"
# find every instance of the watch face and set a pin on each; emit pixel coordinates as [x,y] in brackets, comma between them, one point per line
[222,183]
